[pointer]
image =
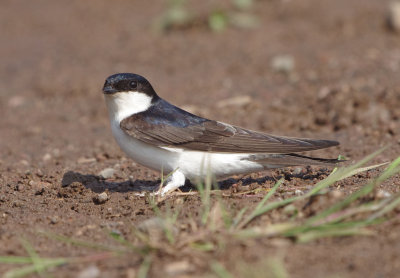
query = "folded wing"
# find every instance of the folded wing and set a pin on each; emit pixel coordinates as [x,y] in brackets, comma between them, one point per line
[199,134]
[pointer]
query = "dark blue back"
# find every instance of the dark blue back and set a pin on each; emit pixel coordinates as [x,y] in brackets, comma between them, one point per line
[164,113]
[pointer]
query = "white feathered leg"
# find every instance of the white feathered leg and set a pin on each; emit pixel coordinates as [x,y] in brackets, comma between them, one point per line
[176,180]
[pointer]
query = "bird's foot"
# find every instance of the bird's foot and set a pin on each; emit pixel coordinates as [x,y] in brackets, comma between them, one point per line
[174,181]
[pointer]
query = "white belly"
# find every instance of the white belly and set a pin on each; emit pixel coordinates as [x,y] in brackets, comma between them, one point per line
[145,154]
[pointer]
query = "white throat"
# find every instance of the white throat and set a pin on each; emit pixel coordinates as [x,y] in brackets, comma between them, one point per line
[124,104]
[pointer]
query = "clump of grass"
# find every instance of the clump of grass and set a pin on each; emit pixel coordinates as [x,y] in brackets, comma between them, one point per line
[270,268]
[179,16]
[214,223]
[175,16]
[337,220]
[34,264]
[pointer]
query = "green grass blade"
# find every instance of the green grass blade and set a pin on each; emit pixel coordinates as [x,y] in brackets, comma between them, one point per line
[277,268]
[15,260]
[394,164]
[344,203]
[238,217]
[123,241]
[267,208]
[338,174]
[163,179]
[390,171]
[342,173]
[363,169]
[266,231]
[343,214]
[41,266]
[36,260]
[270,193]
[326,227]
[386,209]
[313,235]
[220,270]
[82,243]
[145,267]
[259,207]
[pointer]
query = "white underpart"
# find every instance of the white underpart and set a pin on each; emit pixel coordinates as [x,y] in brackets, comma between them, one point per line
[192,165]
[123,105]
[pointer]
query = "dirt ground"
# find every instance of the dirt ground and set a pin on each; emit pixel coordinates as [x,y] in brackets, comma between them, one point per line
[55,56]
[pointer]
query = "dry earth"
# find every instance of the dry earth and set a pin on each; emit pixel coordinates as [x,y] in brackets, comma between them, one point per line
[54,127]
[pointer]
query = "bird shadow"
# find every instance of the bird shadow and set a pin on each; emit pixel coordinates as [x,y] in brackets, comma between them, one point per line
[98,184]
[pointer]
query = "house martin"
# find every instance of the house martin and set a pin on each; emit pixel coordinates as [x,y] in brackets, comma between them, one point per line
[163,137]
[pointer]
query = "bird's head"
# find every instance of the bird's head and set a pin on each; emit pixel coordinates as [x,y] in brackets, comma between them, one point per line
[125,83]
[128,93]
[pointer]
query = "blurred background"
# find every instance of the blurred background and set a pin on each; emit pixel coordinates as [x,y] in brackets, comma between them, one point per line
[307,68]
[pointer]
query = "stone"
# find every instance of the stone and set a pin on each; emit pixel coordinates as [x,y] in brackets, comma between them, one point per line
[393,16]
[283,63]
[91,271]
[107,173]
[101,198]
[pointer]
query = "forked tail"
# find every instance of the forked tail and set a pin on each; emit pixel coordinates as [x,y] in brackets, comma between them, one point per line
[291,159]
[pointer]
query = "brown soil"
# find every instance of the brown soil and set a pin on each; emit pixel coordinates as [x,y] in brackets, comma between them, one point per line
[54,127]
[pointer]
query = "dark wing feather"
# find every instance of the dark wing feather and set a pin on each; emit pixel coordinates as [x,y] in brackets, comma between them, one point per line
[168,126]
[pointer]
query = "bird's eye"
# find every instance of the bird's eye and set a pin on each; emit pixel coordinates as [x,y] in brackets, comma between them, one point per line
[133,84]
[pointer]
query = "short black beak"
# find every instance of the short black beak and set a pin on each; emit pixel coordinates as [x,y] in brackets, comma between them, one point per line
[108,89]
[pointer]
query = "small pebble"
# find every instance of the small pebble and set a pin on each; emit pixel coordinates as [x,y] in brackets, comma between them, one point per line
[238,101]
[84,160]
[283,63]
[54,220]
[18,204]
[39,184]
[336,194]
[178,268]
[393,16]
[46,157]
[101,198]
[298,192]
[16,101]
[382,194]
[89,272]
[39,173]
[24,162]
[107,173]
[297,171]
[280,242]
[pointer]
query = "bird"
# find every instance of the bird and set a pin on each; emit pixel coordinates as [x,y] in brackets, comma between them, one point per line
[168,139]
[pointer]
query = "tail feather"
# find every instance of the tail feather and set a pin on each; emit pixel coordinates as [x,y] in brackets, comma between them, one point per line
[291,159]
[325,161]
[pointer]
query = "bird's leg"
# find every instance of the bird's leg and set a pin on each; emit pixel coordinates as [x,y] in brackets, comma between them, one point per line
[174,181]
